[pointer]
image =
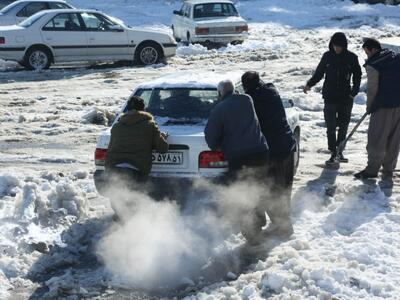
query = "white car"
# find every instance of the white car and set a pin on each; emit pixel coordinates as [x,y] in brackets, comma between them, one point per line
[69,35]
[21,10]
[209,21]
[181,103]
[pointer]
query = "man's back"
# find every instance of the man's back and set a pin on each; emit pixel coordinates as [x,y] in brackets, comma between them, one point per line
[132,140]
[272,117]
[233,126]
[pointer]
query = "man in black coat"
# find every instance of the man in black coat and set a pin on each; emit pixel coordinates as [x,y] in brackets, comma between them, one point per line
[339,66]
[279,136]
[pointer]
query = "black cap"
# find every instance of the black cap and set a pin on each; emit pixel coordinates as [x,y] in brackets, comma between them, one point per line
[338,39]
[370,43]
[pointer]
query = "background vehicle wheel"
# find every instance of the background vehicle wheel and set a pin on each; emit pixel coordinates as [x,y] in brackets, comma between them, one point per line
[38,59]
[188,39]
[148,53]
[174,35]
[296,155]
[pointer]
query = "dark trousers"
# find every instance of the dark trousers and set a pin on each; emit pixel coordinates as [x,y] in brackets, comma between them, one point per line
[337,115]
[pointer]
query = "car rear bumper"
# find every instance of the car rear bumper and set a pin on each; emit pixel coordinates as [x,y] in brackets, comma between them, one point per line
[166,184]
[12,53]
[220,38]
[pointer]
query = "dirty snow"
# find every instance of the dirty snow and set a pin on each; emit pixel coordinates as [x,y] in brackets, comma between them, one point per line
[346,242]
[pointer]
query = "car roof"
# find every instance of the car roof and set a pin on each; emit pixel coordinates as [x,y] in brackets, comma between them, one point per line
[23,1]
[207,1]
[188,79]
[71,10]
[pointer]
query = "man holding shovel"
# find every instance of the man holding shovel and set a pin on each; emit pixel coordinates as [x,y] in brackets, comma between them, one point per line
[383,103]
[339,66]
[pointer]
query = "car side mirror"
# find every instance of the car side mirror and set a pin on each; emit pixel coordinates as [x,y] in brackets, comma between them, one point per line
[116,28]
[177,12]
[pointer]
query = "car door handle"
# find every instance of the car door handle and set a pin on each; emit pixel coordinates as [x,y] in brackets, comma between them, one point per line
[49,39]
[92,39]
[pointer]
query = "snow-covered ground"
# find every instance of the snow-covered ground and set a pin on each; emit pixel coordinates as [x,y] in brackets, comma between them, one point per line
[57,238]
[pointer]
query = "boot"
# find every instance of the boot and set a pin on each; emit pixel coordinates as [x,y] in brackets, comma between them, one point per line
[364,175]
[332,159]
[343,159]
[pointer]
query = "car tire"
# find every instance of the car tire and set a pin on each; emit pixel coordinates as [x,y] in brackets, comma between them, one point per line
[296,154]
[188,39]
[148,53]
[174,35]
[38,59]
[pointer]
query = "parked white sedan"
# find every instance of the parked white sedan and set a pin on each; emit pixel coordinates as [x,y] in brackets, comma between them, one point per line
[21,10]
[209,21]
[69,35]
[181,103]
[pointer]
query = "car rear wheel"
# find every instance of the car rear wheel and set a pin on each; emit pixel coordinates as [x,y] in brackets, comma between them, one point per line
[148,54]
[296,154]
[38,59]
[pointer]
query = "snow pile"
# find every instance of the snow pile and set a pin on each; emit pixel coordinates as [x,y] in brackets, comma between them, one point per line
[33,213]
[99,117]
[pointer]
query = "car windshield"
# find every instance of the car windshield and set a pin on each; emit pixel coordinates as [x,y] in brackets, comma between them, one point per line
[31,20]
[179,105]
[8,6]
[214,10]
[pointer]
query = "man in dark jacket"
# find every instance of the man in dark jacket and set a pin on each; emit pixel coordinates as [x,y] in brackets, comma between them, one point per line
[383,102]
[133,138]
[274,126]
[233,127]
[339,66]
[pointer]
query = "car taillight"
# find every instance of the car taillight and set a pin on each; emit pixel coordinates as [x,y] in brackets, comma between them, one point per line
[212,159]
[2,40]
[100,156]
[242,28]
[202,30]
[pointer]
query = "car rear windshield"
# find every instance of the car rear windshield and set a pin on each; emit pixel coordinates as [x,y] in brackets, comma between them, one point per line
[179,105]
[31,20]
[7,6]
[213,10]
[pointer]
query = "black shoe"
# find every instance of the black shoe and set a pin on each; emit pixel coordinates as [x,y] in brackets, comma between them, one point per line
[364,175]
[332,160]
[343,159]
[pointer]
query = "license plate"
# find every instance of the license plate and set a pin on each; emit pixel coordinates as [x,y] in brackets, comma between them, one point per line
[169,158]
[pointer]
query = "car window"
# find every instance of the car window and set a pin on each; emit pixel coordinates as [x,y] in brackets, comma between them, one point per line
[9,7]
[96,22]
[31,20]
[64,22]
[57,5]
[181,103]
[5,3]
[187,11]
[239,88]
[208,10]
[31,9]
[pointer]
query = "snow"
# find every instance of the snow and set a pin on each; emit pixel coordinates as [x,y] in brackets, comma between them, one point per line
[54,226]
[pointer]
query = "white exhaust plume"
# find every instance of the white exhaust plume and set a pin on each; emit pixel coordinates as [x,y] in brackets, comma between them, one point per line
[160,245]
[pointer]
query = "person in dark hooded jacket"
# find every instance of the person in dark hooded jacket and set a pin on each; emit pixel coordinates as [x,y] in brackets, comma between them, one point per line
[339,66]
[133,138]
[272,116]
[383,103]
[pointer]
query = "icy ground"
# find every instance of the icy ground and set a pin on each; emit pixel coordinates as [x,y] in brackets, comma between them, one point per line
[347,237]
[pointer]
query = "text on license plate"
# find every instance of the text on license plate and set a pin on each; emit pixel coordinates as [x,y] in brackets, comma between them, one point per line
[169,158]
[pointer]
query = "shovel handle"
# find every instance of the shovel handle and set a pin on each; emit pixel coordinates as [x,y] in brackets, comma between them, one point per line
[342,145]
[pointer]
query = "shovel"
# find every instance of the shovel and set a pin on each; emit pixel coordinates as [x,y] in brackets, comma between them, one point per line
[342,145]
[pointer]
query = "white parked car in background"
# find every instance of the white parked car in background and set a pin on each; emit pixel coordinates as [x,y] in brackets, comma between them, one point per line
[69,35]
[181,103]
[21,10]
[209,21]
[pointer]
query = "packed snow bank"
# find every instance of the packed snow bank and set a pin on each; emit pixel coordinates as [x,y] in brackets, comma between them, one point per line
[33,213]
